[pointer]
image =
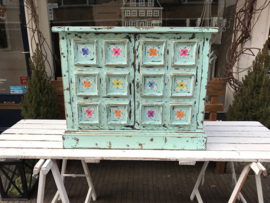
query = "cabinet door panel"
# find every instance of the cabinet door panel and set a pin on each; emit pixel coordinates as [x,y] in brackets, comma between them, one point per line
[166,81]
[101,77]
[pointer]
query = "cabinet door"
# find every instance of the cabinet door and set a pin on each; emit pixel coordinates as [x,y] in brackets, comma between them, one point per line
[166,81]
[101,77]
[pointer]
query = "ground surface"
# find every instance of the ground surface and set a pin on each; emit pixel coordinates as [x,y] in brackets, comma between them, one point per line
[150,181]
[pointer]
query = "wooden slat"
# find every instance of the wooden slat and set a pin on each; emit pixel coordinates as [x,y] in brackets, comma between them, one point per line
[39,126]
[215,88]
[12,137]
[214,107]
[45,121]
[232,123]
[10,106]
[237,134]
[33,131]
[234,129]
[31,144]
[237,147]
[238,140]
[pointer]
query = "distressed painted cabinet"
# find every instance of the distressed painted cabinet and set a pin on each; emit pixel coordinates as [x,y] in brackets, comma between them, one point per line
[134,88]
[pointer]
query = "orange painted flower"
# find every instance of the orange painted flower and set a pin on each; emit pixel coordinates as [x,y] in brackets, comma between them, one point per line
[87,84]
[180,114]
[118,113]
[152,52]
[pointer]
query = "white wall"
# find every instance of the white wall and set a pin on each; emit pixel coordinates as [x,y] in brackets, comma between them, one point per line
[258,37]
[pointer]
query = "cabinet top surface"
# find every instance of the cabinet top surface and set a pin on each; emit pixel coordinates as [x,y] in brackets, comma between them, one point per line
[135,29]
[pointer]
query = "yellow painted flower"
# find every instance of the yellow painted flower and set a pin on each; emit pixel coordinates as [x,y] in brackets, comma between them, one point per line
[181,85]
[117,83]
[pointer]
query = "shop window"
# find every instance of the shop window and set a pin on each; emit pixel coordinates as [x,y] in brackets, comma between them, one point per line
[149,13]
[142,13]
[149,23]
[127,23]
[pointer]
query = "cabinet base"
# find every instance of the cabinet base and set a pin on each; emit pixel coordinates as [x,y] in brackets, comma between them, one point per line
[112,139]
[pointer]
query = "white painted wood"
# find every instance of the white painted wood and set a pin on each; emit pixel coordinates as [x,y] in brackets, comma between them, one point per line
[190,163]
[234,180]
[232,123]
[237,147]
[38,166]
[264,171]
[199,179]
[92,160]
[31,144]
[41,121]
[75,175]
[34,131]
[259,188]
[46,167]
[238,140]
[39,126]
[59,183]
[89,180]
[256,168]
[12,137]
[88,196]
[237,134]
[235,129]
[239,184]
[198,196]
[56,197]
[41,188]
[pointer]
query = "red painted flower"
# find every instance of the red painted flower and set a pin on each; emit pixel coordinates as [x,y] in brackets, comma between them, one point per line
[89,112]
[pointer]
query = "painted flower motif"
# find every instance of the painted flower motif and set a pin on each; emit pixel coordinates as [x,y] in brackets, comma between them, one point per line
[181,86]
[152,52]
[180,114]
[184,52]
[151,84]
[87,84]
[89,113]
[85,51]
[117,83]
[150,114]
[118,113]
[116,51]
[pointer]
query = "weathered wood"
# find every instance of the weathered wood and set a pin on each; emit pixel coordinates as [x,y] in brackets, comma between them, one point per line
[58,86]
[217,88]
[214,108]
[10,106]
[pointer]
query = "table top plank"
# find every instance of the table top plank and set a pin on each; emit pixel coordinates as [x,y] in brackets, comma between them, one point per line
[227,141]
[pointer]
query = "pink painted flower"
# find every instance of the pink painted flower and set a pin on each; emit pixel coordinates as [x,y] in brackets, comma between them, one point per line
[89,112]
[184,52]
[116,51]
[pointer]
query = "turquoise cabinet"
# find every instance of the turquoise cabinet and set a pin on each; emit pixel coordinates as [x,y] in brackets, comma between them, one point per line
[134,88]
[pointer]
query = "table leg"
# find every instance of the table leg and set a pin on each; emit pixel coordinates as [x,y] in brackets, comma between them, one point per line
[59,183]
[195,190]
[89,181]
[240,197]
[63,171]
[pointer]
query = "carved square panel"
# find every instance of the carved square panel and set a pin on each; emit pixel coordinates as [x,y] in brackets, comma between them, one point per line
[153,52]
[182,84]
[85,52]
[116,52]
[88,113]
[184,53]
[117,113]
[117,84]
[152,85]
[151,114]
[87,84]
[180,114]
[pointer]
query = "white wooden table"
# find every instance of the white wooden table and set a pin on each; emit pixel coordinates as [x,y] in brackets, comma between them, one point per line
[227,141]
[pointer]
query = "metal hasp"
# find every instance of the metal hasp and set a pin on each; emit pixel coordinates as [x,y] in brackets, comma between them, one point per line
[135,87]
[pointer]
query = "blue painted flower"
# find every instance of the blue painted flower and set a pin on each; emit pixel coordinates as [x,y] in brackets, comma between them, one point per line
[85,51]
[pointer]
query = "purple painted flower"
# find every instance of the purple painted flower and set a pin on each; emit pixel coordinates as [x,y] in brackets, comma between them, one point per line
[151,114]
[85,51]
